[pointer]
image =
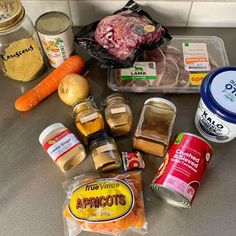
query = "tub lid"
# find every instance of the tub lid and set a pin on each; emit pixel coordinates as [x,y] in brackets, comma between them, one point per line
[48,130]
[218,92]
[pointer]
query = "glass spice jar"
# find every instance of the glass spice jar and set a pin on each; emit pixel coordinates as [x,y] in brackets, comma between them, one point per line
[63,146]
[88,118]
[21,56]
[118,114]
[155,126]
[105,154]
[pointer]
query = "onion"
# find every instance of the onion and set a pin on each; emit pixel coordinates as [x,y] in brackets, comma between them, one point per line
[73,88]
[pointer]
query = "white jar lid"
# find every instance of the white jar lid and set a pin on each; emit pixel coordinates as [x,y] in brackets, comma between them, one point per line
[156,99]
[48,130]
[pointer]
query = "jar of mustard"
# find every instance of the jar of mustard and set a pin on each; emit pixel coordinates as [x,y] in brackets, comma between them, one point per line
[155,126]
[63,146]
[104,151]
[118,114]
[88,118]
[21,56]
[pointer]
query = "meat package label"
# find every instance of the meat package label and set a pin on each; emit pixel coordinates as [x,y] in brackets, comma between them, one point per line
[196,57]
[196,78]
[140,70]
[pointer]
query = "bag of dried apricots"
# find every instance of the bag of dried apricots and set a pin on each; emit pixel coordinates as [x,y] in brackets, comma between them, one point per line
[107,204]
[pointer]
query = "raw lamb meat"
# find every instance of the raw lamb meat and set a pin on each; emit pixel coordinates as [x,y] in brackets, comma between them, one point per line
[159,58]
[177,56]
[170,70]
[122,33]
[119,39]
[171,75]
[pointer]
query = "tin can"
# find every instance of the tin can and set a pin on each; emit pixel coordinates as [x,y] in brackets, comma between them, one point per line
[182,169]
[55,32]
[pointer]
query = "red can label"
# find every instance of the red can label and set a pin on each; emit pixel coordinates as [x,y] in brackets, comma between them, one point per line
[184,165]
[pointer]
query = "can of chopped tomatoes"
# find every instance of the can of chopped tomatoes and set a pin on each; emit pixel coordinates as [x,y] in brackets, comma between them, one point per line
[180,174]
[55,33]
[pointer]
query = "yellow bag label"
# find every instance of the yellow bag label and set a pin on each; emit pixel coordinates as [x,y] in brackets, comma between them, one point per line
[196,78]
[101,200]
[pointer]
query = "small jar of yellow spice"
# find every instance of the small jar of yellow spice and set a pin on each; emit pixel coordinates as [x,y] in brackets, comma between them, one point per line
[118,114]
[104,151]
[88,118]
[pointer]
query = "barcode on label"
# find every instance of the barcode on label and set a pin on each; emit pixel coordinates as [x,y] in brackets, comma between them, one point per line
[197,67]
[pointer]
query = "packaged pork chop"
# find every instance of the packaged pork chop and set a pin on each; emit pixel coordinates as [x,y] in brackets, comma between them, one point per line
[179,67]
[117,40]
[109,204]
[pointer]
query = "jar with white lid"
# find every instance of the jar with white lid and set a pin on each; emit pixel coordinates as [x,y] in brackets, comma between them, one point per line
[21,56]
[216,114]
[62,146]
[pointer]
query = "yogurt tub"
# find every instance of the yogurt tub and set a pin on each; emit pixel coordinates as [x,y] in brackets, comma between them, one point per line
[216,114]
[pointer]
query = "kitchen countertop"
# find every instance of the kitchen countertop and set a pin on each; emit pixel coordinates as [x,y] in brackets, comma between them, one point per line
[31,194]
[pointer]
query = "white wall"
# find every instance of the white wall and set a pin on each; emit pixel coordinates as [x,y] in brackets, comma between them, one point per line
[169,13]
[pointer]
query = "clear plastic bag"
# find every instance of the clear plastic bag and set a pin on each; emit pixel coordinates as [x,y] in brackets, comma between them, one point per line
[117,40]
[110,204]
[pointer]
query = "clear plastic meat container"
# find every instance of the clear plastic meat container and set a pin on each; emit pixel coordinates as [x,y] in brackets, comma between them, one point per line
[179,67]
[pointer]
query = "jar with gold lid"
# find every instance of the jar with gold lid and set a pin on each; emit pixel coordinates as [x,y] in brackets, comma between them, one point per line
[88,118]
[21,56]
[105,154]
[118,114]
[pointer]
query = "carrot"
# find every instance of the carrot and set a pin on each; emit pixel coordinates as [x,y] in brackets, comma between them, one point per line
[49,84]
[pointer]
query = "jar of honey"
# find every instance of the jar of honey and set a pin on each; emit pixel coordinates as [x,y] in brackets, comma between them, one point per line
[118,114]
[105,154]
[63,146]
[155,126]
[88,118]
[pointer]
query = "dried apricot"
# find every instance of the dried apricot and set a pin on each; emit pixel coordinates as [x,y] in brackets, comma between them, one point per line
[107,201]
[127,221]
[66,213]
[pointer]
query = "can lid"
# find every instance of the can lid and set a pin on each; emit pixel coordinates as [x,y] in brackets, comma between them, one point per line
[171,196]
[12,12]
[52,23]
[156,99]
[48,130]
[218,92]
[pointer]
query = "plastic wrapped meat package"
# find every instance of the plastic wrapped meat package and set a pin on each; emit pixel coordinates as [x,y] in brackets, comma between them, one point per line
[118,39]
[178,67]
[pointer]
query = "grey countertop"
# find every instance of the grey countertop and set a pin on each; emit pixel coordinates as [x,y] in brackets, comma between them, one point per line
[31,195]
